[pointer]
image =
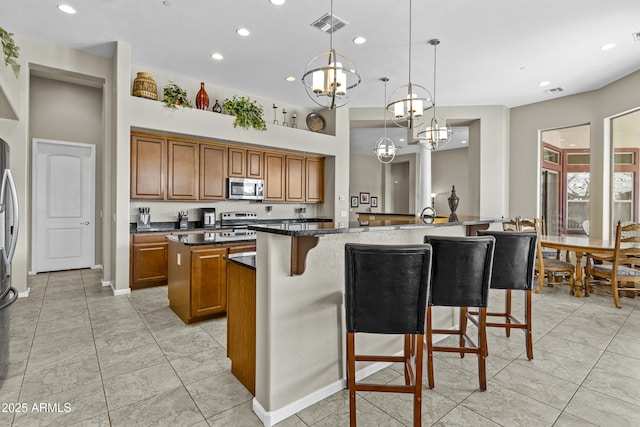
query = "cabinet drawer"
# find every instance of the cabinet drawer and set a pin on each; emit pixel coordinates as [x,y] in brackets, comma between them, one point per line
[150,238]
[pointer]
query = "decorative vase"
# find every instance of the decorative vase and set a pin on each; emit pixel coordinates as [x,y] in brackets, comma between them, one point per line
[145,87]
[217,108]
[202,99]
[453,200]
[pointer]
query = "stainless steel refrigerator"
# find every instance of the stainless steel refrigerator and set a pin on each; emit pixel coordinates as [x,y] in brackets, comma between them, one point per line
[8,240]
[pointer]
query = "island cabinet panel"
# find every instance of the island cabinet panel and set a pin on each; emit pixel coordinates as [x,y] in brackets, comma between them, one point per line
[213,172]
[148,167]
[255,168]
[237,162]
[149,258]
[184,166]
[241,324]
[274,176]
[295,178]
[315,179]
[208,282]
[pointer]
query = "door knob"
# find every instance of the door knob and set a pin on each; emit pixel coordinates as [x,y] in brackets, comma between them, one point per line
[85,223]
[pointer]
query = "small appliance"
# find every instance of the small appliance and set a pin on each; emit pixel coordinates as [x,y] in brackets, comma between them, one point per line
[208,217]
[246,189]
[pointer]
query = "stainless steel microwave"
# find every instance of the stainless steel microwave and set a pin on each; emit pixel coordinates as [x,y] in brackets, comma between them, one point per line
[246,189]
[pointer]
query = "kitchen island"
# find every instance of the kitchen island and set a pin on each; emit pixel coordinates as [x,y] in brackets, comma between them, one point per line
[300,327]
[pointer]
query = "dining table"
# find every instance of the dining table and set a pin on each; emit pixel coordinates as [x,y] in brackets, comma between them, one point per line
[580,245]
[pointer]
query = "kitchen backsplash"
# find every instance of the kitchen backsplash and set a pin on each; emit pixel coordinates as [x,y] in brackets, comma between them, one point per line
[168,211]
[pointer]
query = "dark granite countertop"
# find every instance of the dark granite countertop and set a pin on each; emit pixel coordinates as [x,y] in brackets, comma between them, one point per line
[195,226]
[322,228]
[210,238]
[245,259]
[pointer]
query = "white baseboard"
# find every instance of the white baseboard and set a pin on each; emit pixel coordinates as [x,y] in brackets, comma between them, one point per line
[31,273]
[96,267]
[24,294]
[116,292]
[105,283]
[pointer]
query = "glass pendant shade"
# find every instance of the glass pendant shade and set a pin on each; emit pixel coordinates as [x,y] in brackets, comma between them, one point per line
[331,80]
[385,150]
[436,134]
[407,105]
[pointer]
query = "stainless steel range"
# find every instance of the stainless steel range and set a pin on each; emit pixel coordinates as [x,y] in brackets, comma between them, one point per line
[238,219]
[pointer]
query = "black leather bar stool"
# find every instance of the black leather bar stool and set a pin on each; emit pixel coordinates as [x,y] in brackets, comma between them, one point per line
[513,269]
[386,291]
[461,274]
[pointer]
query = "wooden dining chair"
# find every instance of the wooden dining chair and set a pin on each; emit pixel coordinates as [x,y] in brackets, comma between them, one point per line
[623,266]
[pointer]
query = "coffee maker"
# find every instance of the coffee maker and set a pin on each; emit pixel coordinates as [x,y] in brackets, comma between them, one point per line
[208,217]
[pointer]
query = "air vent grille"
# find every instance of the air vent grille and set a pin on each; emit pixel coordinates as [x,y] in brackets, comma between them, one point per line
[636,36]
[554,90]
[324,23]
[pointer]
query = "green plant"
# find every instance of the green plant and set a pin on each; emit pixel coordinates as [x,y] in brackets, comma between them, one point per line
[10,50]
[248,113]
[174,95]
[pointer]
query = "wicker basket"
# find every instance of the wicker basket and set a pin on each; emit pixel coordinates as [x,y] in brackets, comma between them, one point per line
[145,87]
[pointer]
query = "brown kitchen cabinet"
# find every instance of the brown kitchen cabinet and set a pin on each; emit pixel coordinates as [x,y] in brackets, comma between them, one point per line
[295,181]
[213,172]
[149,260]
[183,170]
[245,163]
[315,180]
[148,167]
[274,177]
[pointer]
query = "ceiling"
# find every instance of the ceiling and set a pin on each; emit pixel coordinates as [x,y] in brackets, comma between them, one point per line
[492,52]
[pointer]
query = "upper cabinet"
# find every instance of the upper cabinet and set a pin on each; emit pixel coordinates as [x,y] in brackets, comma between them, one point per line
[213,172]
[148,167]
[183,170]
[180,169]
[245,163]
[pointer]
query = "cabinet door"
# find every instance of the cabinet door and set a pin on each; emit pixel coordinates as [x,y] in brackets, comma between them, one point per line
[295,178]
[315,179]
[254,164]
[213,172]
[148,167]
[149,260]
[208,282]
[237,162]
[274,177]
[183,177]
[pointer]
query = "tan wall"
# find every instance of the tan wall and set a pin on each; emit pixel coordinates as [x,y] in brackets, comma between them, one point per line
[450,167]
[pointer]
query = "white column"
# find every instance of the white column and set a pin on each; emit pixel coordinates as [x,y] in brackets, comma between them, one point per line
[425,179]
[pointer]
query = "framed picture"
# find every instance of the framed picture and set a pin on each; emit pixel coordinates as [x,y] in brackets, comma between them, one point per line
[354,201]
[364,198]
[374,202]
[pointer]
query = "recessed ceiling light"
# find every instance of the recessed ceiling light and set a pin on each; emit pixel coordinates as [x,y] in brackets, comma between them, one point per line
[359,40]
[401,140]
[607,46]
[290,79]
[217,56]
[243,32]
[277,2]
[545,83]
[66,9]
[464,141]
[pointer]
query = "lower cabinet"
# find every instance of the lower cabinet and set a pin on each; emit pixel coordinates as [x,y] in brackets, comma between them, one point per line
[198,279]
[148,260]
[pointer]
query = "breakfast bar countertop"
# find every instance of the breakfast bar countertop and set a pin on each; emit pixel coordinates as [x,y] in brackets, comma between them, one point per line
[323,228]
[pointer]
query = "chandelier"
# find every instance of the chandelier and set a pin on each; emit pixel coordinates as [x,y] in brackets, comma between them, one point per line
[331,80]
[408,103]
[438,132]
[385,148]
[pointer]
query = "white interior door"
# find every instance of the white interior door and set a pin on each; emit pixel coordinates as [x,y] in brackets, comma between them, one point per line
[63,205]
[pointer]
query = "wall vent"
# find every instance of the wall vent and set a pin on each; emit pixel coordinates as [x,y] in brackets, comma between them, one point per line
[636,36]
[554,90]
[324,23]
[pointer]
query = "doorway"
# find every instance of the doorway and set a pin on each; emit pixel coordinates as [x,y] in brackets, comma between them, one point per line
[625,139]
[63,201]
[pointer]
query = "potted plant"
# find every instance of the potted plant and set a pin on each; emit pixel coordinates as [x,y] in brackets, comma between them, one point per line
[174,95]
[248,113]
[10,50]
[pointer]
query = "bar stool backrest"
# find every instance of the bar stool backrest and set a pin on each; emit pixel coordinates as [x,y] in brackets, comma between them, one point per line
[386,288]
[461,270]
[514,259]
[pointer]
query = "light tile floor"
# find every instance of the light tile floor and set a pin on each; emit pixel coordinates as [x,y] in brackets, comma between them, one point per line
[129,361]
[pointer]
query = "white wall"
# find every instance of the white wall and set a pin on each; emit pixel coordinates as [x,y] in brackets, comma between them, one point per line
[365,176]
[449,168]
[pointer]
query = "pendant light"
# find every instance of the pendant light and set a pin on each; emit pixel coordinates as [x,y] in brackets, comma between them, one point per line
[408,103]
[385,148]
[331,80]
[438,132]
